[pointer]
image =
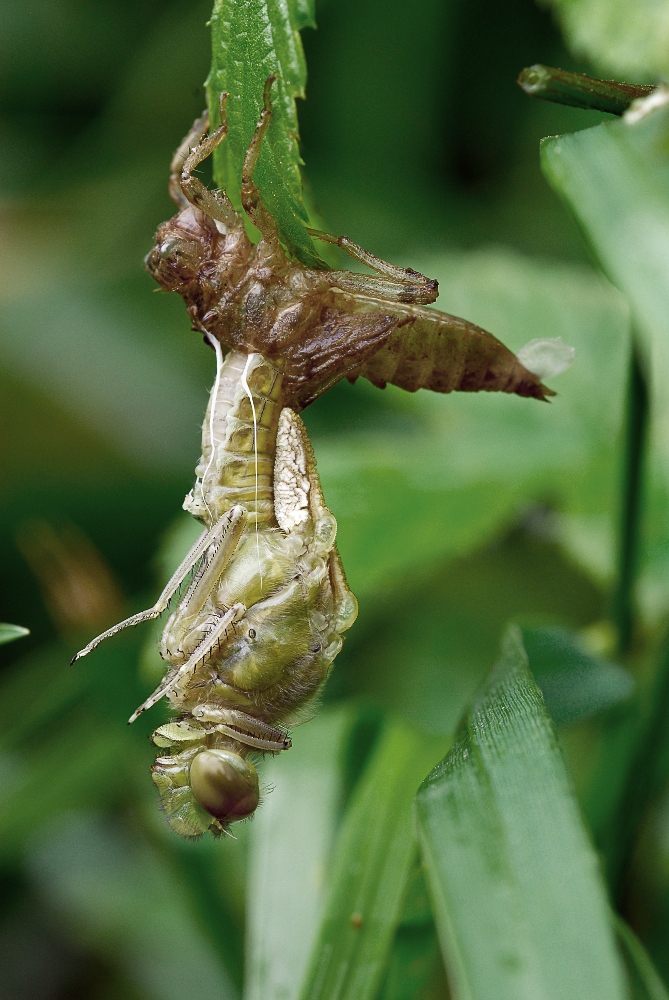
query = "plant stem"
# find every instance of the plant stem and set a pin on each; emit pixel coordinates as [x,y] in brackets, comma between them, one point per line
[646,775]
[647,736]
[579,91]
[632,487]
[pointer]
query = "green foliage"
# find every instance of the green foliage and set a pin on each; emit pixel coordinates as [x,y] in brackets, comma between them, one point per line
[291,842]
[441,474]
[119,894]
[370,870]
[512,875]
[456,514]
[614,177]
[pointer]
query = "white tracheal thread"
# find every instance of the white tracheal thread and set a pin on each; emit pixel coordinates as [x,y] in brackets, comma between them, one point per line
[245,386]
[214,397]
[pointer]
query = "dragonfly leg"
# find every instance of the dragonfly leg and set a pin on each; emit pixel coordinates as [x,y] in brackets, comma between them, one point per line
[228,524]
[194,137]
[202,653]
[399,284]
[186,189]
[251,200]
[181,635]
[243,728]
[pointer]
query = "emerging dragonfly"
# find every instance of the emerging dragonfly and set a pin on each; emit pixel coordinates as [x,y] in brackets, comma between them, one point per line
[252,639]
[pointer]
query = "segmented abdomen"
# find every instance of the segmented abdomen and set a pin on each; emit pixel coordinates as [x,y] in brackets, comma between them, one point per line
[239,441]
[432,350]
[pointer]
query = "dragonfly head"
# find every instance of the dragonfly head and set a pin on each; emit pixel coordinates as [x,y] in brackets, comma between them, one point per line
[178,252]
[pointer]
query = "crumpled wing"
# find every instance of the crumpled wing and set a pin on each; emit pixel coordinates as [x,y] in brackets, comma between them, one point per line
[433,350]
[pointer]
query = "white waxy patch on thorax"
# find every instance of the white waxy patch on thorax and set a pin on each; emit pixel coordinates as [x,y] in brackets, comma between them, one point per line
[291,480]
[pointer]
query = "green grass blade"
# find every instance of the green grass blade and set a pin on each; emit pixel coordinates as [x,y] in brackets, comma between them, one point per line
[518,899]
[9,633]
[250,41]
[373,859]
[414,959]
[291,843]
[644,979]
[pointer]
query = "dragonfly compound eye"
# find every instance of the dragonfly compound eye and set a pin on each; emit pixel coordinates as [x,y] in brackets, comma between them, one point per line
[174,261]
[224,784]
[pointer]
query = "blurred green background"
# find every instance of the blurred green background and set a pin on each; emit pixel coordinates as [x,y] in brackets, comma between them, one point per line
[455,513]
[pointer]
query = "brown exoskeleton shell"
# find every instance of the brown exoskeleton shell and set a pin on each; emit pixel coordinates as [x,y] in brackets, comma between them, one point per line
[322,324]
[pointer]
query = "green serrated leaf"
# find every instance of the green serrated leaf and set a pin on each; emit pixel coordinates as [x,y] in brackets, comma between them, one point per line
[9,633]
[252,39]
[374,855]
[519,903]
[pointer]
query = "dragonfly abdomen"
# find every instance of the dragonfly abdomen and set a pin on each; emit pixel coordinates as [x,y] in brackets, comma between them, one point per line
[239,441]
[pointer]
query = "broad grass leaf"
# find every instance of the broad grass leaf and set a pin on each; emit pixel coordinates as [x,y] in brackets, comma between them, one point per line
[290,852]
[374,856]
[518,899]
[250,41]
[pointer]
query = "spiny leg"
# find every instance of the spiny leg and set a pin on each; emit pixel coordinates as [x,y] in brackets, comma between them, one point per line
[244,728]
[194,137]
[228,523]
[401,284]
[200,656]
[214,203]
[219,552]
[251,200]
